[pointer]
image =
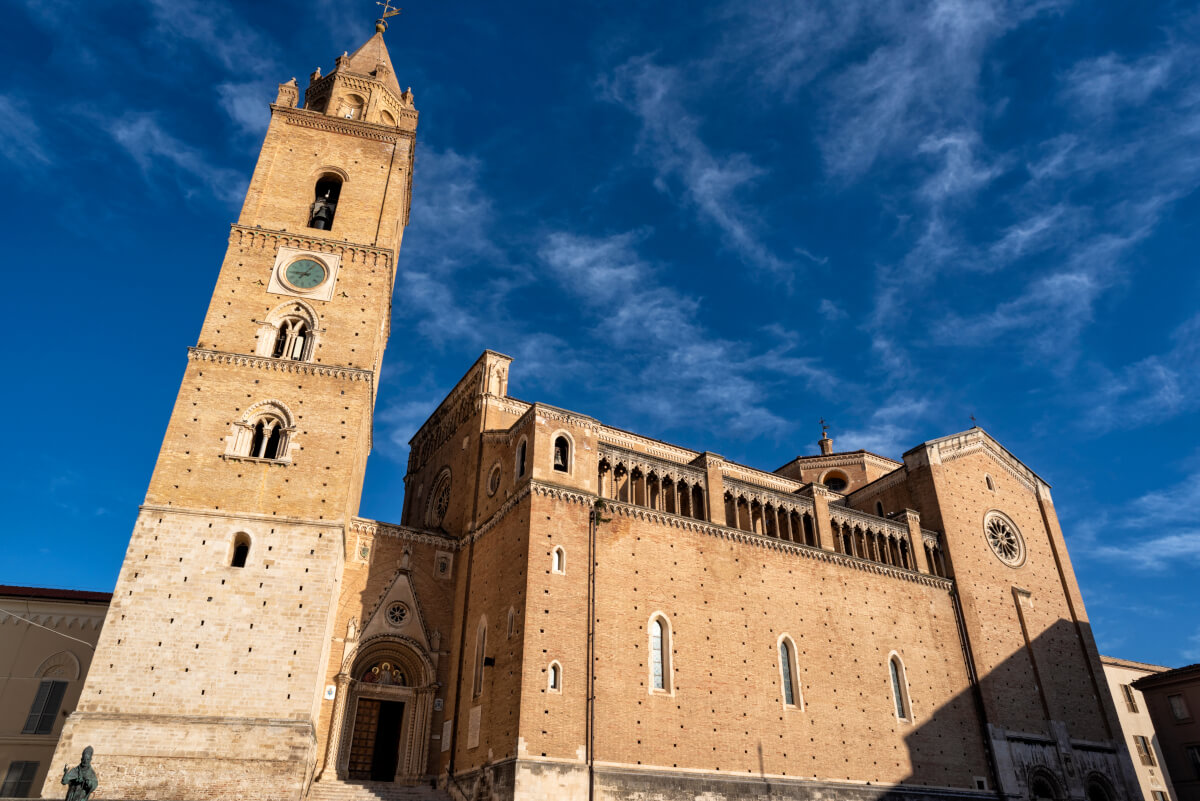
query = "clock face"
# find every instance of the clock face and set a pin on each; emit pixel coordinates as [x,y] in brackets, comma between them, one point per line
[305,273]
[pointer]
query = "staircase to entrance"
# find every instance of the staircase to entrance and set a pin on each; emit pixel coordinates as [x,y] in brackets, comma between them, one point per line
[373,791]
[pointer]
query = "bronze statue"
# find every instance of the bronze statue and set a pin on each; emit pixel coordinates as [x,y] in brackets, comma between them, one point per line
[81,779]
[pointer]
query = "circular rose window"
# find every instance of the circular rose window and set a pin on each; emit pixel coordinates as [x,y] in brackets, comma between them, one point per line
[439,500]
[397,613]
[1004,539]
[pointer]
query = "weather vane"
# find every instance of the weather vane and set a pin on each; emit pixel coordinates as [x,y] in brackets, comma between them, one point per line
[824,428]
[388,11]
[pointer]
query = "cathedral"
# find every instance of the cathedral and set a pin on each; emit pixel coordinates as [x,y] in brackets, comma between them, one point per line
[566,610]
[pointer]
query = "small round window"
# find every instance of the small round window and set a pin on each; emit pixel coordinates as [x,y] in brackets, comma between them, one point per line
[1004,539]
[397,613]
[493,483]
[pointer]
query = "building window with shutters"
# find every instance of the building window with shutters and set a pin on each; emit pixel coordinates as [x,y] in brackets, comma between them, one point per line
[1179,707]
[1130,700]
[1144,751]
[45,707]
[19,780]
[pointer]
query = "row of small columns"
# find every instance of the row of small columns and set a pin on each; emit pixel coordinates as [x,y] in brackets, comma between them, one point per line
[814,528]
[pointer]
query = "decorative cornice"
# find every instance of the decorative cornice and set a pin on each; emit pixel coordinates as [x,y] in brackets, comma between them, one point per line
[842,459]
[750,475]
[363,130]
[281,365]
[844,514]
[764,496]
[770,543]
[330,525]
[616,454]
[548,413]
[374,528]
[978,441]
[353,252]
[640,444]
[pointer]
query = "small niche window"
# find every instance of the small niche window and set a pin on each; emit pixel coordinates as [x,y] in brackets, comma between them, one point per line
[660,655]
[241,550]
[558,561]
[991,485]
[324,207]
[293,340]
[899,688]
[562,455]
[512,622]
[555,678]
[45,707]
[879,508]
[788,672]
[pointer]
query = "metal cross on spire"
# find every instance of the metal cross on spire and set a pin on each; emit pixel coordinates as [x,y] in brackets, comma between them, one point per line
[388,11]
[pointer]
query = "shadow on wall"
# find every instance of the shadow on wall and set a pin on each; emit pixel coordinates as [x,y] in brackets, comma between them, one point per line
[1031,728]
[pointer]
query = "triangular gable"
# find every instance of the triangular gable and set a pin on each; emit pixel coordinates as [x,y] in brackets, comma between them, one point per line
[413,625]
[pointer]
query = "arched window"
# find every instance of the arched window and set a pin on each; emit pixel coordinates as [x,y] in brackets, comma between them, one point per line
[325,200]
[241,550]
[788,671]
[836,481]
[264,432]
[879,508]
[293,340]
[520,461]
[1098,789]
[990,484]
[660,655]
[558,562]
[899,688]
[480,647]
[562,455]
[555,678]
[1042,787]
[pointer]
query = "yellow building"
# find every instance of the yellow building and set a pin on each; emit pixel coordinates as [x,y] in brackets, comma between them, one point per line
[47,638]
[1137,725]
[566,610]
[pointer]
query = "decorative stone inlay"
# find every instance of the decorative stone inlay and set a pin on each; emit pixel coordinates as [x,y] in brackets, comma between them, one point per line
[1004,539]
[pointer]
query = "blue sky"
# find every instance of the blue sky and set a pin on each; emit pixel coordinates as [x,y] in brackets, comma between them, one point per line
[710,223]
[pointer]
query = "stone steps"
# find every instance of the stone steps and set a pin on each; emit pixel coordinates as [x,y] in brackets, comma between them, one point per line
[373,791]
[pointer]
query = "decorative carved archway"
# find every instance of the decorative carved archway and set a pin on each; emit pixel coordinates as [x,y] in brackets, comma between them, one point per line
[384,668]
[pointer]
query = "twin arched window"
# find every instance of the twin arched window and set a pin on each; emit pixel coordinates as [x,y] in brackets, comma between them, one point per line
[264,432]
[293,340]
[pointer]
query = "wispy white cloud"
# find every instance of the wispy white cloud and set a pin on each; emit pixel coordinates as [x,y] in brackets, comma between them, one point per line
[247,104]
[1104,85]
[23,141]
[156,151]
[215,31]
[1155,532]
[889,430]
[670,141]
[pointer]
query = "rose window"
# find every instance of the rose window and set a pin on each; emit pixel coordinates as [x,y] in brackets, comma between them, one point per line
[1004,539]
[397,613]
[439,500]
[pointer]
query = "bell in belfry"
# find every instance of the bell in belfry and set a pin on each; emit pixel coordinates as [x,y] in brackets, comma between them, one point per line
[322,212]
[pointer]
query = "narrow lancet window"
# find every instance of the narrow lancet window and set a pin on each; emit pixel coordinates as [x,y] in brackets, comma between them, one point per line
[898,689]
[658,661]
[785,667]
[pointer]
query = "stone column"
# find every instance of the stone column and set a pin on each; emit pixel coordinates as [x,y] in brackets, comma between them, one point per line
[338,723]
[824,526]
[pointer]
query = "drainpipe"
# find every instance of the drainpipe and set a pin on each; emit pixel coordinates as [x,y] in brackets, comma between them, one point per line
[594,521]
[964,640]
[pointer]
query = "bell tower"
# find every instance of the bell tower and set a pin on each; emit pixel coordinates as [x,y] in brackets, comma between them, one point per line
[207,679]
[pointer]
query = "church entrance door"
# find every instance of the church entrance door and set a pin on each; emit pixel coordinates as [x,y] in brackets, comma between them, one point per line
[375,745]
[387,741]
